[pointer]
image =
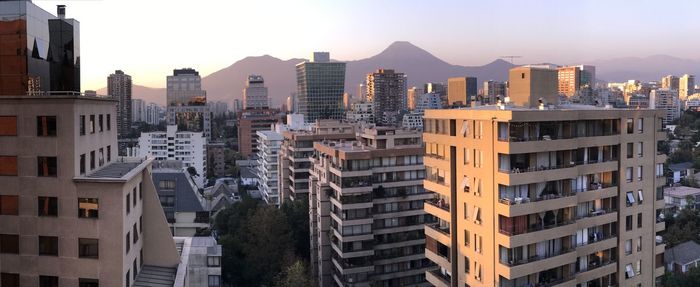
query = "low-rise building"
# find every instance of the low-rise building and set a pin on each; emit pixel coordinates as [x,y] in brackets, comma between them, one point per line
[412,120]
[200,262]
[181,201]
[681,171]
[681,197]
[682,257]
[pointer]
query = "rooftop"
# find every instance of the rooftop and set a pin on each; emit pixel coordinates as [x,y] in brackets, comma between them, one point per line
[120,169]
[683,253]
[681,191]
[680,166]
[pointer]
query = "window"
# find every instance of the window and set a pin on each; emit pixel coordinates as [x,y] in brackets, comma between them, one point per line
[477,215]
[630,198]
[640,125]
[136,234]
[133,195]
[169,201]
[128,279]
[639,220]
[166,184]
[466,237]
[9,243]
[629,272]
[9,205]
[128,242]
[82,125]
[46,126]
[135,268]
[8,126]
[466,264]
[100,122]
[140,190]
[101,159]
[466,211]
[88,248]
[109,122]
[48,245]
[48,281]
[628,174]
[214,280]
[141,223]
[9,279]
[83,282]
[628,246]
[109,153]
[92,160]
[640,196]
[88,208]
[639,244]
[128,203]
[82,164]
[630,126]
[46,166]
[8,165]
[630,150]
[640,172]
[91,124]
[47,206]
[466,156]
[213,261]
[628,222]
[640,149]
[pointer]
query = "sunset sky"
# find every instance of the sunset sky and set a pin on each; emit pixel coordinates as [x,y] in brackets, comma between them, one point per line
[148,38]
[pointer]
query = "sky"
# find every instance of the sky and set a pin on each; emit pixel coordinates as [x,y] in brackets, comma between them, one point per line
[149,38]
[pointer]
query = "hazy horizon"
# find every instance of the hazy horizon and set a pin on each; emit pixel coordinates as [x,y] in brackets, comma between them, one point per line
[150,40]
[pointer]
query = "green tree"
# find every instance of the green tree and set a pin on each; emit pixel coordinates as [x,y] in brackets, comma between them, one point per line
[295,275]
[297,213]
[688,279]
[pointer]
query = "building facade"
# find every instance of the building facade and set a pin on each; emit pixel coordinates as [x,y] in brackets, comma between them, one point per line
[555,197]
[187,102]
[255,93]
[360,112]
[667,101]
[528,85]
[412,96]
[119,87]
[138,110]
[181,202]
[366,216]
[669,82]
[493,90]
[320,88]
[461,91]
[173,144]
[386,90]
[686,86]
[249,123]
[269,143]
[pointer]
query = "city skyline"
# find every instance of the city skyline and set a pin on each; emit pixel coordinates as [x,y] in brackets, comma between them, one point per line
[483,38]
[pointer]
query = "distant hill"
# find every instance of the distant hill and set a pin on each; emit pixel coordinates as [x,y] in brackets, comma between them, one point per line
[150,95]
[651,68]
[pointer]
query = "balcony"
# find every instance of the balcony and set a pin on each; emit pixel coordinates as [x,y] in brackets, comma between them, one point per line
[535,233]
[441,260]
[599,243]
[438,207]
[595,270]
[441,234]
[523,267]
[522,206]
[438,279]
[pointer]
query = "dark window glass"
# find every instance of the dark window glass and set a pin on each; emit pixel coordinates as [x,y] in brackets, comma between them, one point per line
[48,245]
[48,206]
[128,279]
[128,242]
[82,164]
[109,121]
[82,125]
[133,195]
[100,122]
[628,223]
[47,166]
[109,153]
[88,248]
[9,279]
[128,203]
[88,208]
[46,126]
[91,125]
[84,282]
[9,205]
[136,234]
[167,200]
[48,281]
[92,160]
[9,243]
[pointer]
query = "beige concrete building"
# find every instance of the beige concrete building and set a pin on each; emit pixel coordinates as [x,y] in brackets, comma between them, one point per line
[366,210]
[461,91]
[686,86]
[296,151]
[564,196]
[527,85]
[72,212]
[569,80]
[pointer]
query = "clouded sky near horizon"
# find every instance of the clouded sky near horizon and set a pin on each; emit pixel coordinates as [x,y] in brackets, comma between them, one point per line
[149,38]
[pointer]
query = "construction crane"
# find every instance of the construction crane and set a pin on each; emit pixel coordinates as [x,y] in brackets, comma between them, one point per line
[511,58]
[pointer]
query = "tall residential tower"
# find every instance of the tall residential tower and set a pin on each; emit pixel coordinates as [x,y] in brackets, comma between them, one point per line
[320,88]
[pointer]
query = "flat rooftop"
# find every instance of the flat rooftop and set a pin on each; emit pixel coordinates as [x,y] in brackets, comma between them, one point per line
[562,107]
[681,191]
[121,169]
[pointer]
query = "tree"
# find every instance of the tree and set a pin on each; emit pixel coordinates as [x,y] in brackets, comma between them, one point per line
[192,171]
[682,227]
[295,275]
[688,279]
[297,213]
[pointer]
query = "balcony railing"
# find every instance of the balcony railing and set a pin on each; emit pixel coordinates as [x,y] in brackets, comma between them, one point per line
[442,229]
[515,138]
[552,167]
[537,227]
[594,213]
[443,277]
[436,178]
[439,203]
[536,258]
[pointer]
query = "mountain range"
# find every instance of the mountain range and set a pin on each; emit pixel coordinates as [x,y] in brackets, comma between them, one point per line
[419,66]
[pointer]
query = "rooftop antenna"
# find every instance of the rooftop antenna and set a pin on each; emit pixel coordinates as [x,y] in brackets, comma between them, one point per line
[511,58]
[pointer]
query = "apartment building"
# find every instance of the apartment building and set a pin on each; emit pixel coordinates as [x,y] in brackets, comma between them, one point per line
[269,143]
[249,122]
[296,151]
[181,201]
[173,144]
[366,210]
[555,196]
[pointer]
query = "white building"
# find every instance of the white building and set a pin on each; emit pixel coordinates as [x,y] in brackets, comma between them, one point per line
[686,86]
[200,262]
[138,110]
[188,147]
[269,143]
[154,114]
[428,101]
[412,121]
[665,99]
[255,93]
[360,112]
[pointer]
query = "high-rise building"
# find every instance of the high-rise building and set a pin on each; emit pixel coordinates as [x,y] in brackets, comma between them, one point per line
[255,93]
[138,110]
[569,80]
[365,206]
[530,85]
[291,103]
[119,87]
[320,88]
[439,89]
[386,90]
[40,52]
[297,148]
[461,91]
[360,112]
[249,123]
[218,109]
[187,102]
[269,143]
[216,159]
[494,89]
[71,211]
[428,101]
[412,97]
[686,86]
[555,197]
[669,82]
[154,114]
[667,101]
[588,76]
[173,144]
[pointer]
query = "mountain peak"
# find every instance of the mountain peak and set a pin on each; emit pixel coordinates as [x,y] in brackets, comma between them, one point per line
[404,50]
